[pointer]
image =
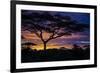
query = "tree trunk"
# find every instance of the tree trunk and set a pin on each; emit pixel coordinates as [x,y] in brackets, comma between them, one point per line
[45,45]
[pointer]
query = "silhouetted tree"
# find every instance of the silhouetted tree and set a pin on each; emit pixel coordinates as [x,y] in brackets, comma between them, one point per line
[28,45]
[76,47]
[86,47]
[55,24]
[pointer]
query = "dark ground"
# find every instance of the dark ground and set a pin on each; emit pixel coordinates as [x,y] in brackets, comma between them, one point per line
[28,55]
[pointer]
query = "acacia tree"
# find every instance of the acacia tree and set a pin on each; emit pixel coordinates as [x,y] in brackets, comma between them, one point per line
[55,24]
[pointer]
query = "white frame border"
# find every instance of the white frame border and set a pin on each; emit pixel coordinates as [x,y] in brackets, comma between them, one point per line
[20,65]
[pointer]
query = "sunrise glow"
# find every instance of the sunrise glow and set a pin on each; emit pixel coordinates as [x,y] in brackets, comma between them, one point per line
[63,41]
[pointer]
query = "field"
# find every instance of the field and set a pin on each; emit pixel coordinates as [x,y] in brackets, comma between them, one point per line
[29,55]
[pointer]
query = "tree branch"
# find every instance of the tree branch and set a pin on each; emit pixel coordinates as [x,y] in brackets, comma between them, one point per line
[50,37]
[41,36]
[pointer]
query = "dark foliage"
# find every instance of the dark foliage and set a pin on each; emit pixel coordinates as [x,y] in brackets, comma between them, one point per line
[76,53]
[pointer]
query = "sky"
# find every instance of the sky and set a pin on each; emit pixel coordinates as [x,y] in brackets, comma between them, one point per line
[80,38]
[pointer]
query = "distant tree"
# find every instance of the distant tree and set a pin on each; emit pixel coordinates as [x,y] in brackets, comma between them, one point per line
[28,45]
[56,25]
[63,48]
[86,47]
[78,51]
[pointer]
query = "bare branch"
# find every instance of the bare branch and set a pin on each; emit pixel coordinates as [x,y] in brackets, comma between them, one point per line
[41,36]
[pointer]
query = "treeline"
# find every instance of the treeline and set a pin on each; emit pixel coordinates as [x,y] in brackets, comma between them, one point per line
[76,53]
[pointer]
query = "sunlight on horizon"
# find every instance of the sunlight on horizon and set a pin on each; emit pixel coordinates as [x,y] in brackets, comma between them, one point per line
[40,47]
